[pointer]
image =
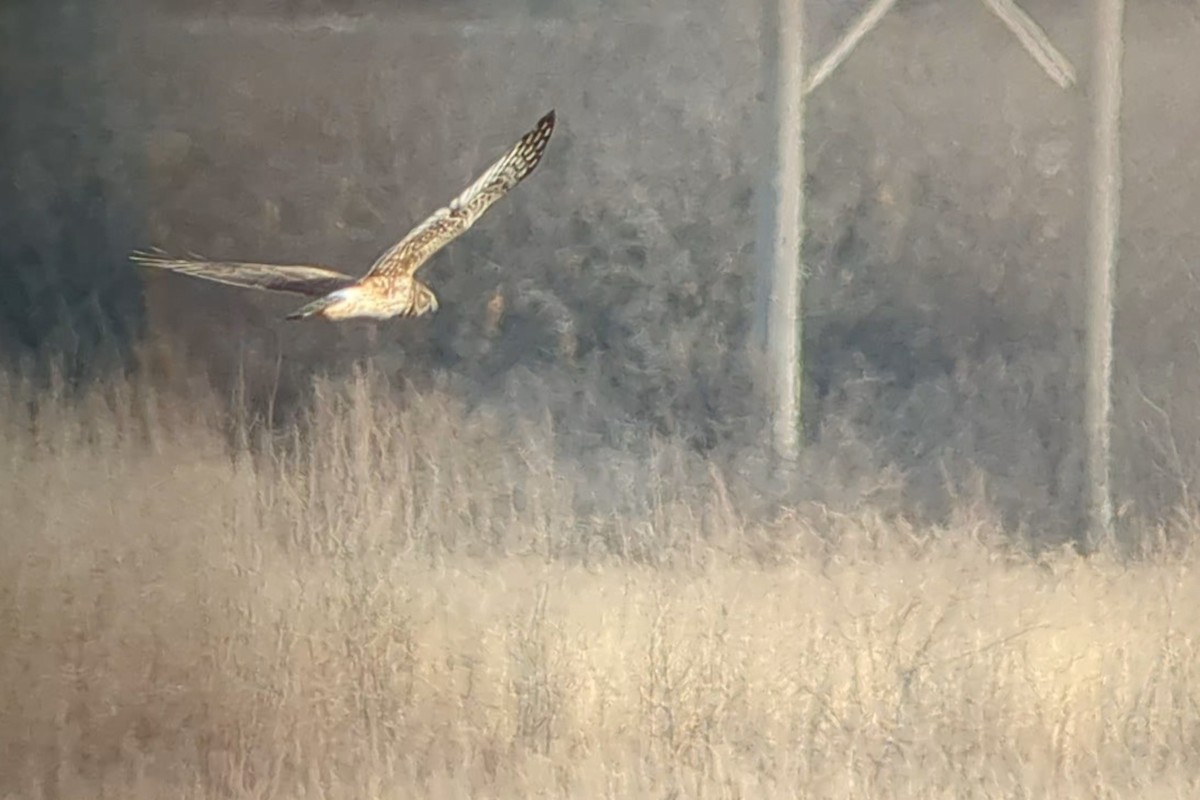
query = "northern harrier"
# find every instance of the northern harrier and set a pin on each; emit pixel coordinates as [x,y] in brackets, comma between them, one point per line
[389,288]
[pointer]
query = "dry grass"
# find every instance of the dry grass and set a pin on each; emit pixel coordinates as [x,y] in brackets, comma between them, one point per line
[402,600]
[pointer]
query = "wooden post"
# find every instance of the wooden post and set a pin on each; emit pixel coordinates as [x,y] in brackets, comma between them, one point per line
[1103,229]
[784,323]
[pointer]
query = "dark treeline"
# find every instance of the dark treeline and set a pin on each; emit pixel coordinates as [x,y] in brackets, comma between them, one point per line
[944,308]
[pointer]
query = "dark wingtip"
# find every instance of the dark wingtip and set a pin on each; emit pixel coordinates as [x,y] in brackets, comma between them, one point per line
[548,119]
[146,258]
[315,307]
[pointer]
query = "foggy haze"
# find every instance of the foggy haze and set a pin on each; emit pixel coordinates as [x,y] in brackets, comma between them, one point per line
[536,544]
[945,247]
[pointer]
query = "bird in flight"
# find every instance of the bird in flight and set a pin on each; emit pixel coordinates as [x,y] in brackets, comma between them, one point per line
[389,288]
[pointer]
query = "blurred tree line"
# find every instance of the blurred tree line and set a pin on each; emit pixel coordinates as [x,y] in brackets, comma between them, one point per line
[66,215]
[945,235]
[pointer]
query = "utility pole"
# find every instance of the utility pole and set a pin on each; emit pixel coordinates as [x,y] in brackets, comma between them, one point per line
[784,322]
[781,273]
[1103,230]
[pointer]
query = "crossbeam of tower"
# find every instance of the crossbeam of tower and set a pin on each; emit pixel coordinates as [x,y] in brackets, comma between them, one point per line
[792,83]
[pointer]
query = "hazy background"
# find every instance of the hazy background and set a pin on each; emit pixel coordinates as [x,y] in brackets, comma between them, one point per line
[945,248]
[544,555]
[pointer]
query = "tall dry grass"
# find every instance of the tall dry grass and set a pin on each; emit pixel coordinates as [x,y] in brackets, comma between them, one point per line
[400,597]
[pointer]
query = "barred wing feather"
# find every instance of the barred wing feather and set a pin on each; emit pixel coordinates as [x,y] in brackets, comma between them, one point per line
[304,280]
[445,224]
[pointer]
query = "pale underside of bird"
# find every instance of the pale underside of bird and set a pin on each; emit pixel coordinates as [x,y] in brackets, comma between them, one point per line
[390,287]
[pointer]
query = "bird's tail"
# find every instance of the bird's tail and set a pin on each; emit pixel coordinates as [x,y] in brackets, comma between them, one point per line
[315,307]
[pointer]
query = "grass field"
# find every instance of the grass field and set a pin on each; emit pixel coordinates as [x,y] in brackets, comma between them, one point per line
[403,599]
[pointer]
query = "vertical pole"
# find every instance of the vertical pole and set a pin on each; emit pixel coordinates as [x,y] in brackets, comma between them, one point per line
[1103,228]
[784,332]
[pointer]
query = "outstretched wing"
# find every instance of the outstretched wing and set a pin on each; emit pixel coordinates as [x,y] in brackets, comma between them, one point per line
[407,255]
[308,281]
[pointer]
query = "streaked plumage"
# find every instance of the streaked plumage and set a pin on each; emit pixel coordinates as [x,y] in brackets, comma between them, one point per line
[389,288]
